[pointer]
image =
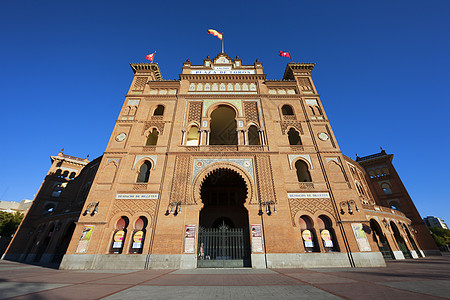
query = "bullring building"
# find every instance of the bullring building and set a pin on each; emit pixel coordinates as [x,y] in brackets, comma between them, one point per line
[221,168]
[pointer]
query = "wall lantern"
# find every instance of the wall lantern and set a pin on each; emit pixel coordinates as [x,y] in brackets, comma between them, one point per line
[348,204]
[92,206]
[174,208]
[268,208]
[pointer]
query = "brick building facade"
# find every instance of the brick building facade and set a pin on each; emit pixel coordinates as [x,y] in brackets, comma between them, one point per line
[225,168]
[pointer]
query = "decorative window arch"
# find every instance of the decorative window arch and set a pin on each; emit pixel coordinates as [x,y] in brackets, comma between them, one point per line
[58,173]
[253,135]
[287,110]
[65,174]
[144,172]
[192,136]
[303,174]
[120,232]
[294,137]
[386,188]
[308,234]
[223,125]
[327,234]
[138,237]
[159,110]
[72,175]
[152,138]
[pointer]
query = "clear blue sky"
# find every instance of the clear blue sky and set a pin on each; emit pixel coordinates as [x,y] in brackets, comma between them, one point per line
[382,69]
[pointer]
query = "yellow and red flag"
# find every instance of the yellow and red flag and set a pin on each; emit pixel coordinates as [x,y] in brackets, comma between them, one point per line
[215,33]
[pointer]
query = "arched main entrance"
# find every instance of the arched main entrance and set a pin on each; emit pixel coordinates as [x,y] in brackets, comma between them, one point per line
[380,240]
[224,239]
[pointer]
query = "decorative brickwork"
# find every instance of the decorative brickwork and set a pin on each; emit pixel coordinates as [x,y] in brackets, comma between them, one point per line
[251,112]
[133,206]
[139,83]
[158,124]
[287,124]
[305,84]
[309,205]
[266,191]
[195,112]
[139,187]
[181,180]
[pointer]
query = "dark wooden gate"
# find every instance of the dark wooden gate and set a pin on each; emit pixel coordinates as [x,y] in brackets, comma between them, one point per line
[223,247]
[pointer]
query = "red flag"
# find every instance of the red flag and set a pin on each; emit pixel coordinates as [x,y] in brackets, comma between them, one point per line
[150,57]
[285,54]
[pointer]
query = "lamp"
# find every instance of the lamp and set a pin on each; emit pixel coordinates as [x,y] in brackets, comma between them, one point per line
[268,208]
[348,204]
[92,205]
[174,208]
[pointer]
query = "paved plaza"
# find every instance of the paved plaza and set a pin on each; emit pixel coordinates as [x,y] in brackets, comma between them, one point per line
[424,278]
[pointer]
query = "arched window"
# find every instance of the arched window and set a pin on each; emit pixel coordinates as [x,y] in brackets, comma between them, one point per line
[287,110]
[302,171]
[223,126]
[253,136]
[308,234]
[386,188]
[58,173]
[327,234]
[57,189]
[72,175]
[192,136]
[159,111]
[138,238]
[294,137]
[400,241]
[152,139]
[119,235]
[144,172]
[65,174]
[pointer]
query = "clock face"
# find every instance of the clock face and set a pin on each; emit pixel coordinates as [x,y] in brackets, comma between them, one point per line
[323,136]
[121,136]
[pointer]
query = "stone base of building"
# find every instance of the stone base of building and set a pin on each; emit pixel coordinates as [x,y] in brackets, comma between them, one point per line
[103,262]
[189,261]
[324,260]
[432,253]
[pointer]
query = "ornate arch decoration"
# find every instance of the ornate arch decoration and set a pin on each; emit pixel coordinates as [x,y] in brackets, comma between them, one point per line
[330,216]
[149,130]
[253,123]
[304,157]
[141,158]
[211,107]
[203,174]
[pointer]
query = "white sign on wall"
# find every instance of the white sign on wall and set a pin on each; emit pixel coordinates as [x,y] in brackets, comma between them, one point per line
[137,196]
[220,72]
[308,195]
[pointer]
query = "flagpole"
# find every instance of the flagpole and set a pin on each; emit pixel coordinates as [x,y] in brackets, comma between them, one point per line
[222,43]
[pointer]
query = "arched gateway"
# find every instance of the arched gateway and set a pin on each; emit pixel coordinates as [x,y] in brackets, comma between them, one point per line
[223,239]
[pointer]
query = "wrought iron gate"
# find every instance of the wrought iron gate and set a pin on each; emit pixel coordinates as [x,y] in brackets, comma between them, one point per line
[223,247]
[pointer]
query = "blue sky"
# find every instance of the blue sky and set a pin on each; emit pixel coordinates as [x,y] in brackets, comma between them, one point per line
[382,69]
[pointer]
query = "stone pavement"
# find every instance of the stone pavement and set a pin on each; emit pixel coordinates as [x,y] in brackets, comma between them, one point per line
[423,278]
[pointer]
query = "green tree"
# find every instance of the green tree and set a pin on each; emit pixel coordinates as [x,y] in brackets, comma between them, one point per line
[441,236]
[9,222]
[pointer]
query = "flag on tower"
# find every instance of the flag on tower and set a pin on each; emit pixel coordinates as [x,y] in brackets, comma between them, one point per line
[150,57]
[284,54]
[215,33]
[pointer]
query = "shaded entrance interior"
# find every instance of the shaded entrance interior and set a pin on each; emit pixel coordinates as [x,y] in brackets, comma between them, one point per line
[224,225]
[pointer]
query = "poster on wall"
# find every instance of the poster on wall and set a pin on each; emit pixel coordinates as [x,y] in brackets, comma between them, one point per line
[307,238]
[85,237]
[360,236]
[189,239]
[257,242]
[118,239]
[326,237]
[137,239]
